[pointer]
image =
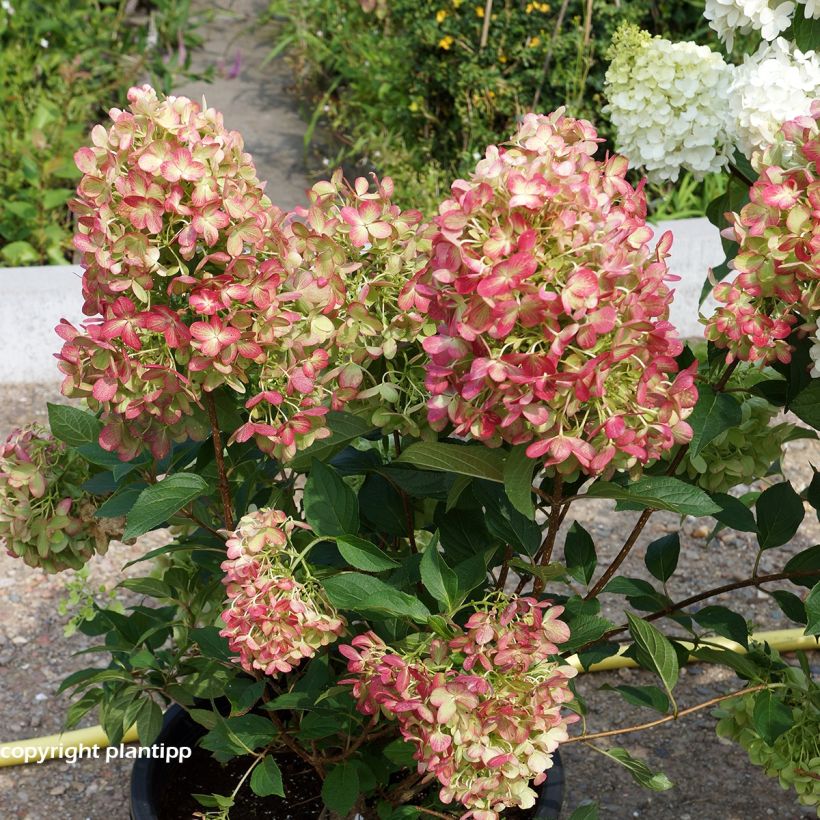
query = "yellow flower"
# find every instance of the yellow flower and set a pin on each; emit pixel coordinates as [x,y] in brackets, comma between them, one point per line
[542,7]
[530,7]
[479,11]
[457,3]
[535,42]
[446,42]
[502,58]
[441,16]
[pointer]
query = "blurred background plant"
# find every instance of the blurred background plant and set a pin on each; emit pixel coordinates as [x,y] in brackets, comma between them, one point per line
[417,88]
[62,64]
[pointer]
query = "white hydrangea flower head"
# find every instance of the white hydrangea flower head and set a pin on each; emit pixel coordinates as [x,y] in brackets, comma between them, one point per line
[667,102]
[811,8]
[769,17]
[775,84]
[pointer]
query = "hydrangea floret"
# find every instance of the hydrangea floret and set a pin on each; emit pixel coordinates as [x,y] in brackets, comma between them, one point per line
[758,111]
[552,308]
[667,103]
[778,264]
[484,709]
[768,17]
[277,614]
[46,517]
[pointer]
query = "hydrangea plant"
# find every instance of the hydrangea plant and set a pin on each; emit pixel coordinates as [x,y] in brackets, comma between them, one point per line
[366,431]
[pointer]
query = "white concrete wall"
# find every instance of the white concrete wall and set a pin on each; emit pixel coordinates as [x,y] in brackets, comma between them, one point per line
[33,300]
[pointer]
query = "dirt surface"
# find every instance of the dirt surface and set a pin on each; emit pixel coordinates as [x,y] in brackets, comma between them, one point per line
[714,781]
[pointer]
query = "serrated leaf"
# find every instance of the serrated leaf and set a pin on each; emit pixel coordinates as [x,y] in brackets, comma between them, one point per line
[438,579]
[344,428]
[806,561]
[790,604]
[812,604]
[586,811]
[641,773]
[713,414]
[366,594]
[725,622]
[149,722]
[771,716]
[330,505]
[469,460]
[518,470]
[549,572]
[152,587]
[657,651]
[662,555]
[806,405]
[72,425]
[647,696]
[579,554]
[266,778]
[340,789]
[734,512]
[361,554]
[658,493]
[779,514]
[157,503]
[121,502]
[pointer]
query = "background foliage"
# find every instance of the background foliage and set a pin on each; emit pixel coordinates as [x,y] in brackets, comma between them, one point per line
[63,63]
[409,87]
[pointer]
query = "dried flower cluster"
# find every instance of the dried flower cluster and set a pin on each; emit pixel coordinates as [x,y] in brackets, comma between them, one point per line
[483,710]
[274,620]
[552,308]
[46,518]
[778,263]
[667,102]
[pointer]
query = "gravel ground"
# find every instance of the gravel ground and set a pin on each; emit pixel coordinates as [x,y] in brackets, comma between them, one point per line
[713,781]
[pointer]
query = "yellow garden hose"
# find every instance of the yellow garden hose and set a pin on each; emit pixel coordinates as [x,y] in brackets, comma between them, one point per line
[40,749]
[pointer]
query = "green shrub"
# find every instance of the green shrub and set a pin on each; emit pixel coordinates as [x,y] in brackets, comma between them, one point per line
[62,64]
[408,85]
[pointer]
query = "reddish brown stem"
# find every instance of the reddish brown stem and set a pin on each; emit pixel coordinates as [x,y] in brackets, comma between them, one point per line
[667,718]
[222,474]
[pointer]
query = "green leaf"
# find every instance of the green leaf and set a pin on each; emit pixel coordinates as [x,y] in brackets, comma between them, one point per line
[656,652]
[725,622]
[812,604]
[734,512]
[518,470]
[804,32]
[341,788]
[73,426]
[152,587]
[779,514]
[149,722]
[662,555]
[238,736]
[579,553]
[438,579]
[586,811]
[504,521]
[658,493]
[366,594]
[806,405]
[806,561]
[121,502]
[267,779]
[344,427]
[641,773]
[400,753]
[331,507]
[771,716]
[713,414]
[19,253]
[473,460]
[741,663]
[585,629]
[647,696]
[549,572]
[791,605]
[361,554]
[157,503]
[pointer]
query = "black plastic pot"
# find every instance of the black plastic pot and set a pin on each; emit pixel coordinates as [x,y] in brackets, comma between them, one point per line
[150,778]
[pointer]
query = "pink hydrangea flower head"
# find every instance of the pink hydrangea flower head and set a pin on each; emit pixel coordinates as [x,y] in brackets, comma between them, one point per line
[777,286]
[185,280]
[485,731]
[552,310]
[274,618]
[46,518]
